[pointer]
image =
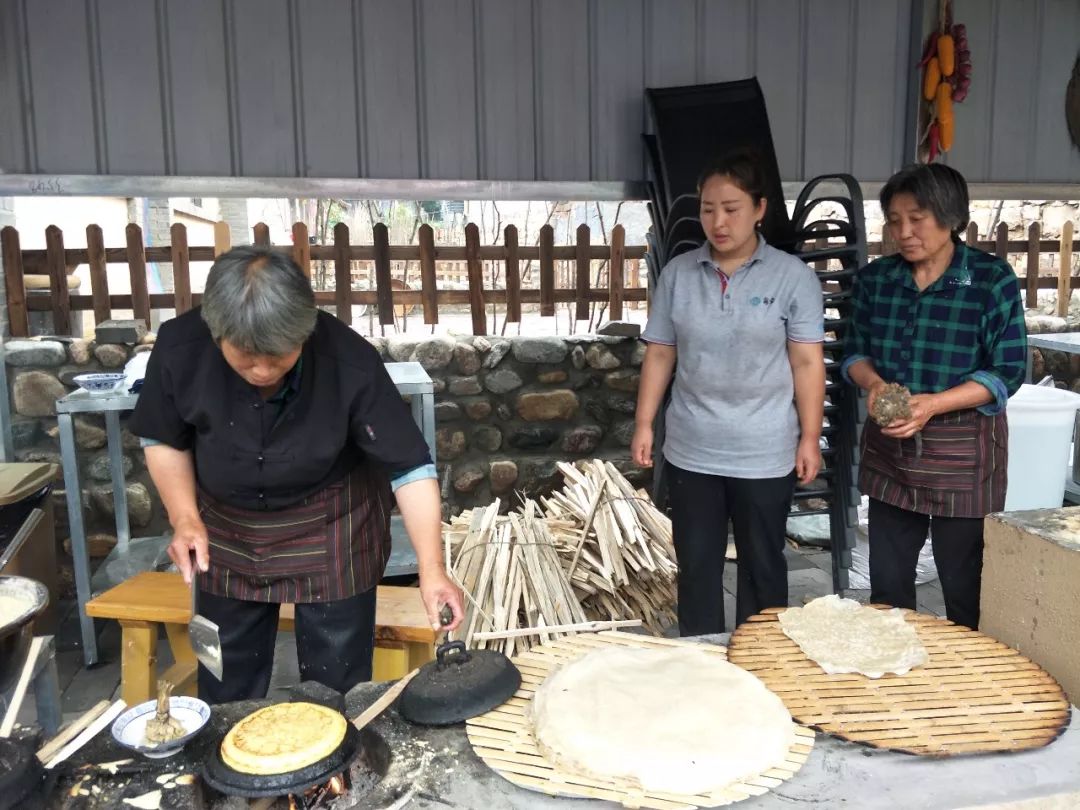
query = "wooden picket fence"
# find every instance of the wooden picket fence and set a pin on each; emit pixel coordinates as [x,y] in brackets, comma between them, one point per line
[55,259]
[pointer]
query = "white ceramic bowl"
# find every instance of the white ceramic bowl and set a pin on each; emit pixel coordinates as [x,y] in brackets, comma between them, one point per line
[102,382]
[129,729]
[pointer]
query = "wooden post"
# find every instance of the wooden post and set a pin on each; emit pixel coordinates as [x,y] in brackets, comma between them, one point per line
[1033,253]
[1065,270]
[18,318]
[513,275]
[476,278]
[222,238]
[342,274]
[384,292]
[99,276]
[972,234]
[262,234]
[429,287]
[581,256]
[615,273]
[58,285]
[301,249]
[136,253]
[181,268]
[635,280]
[1001,243]
[547,270]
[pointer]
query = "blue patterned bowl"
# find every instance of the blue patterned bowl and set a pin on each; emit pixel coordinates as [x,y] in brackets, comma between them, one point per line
[129,729]
[99,383]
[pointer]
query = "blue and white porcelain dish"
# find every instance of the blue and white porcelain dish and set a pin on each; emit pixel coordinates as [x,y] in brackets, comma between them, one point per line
[129,729]
[100,383]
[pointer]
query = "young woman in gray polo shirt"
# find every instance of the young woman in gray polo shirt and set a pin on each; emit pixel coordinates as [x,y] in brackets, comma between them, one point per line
[746,322]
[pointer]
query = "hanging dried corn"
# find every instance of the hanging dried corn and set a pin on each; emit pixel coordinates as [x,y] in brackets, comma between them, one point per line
[946,80]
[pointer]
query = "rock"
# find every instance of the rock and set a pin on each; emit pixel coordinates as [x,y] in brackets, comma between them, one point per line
[498,351]
[623,380]
[621,404]
[487,438]
[379,344]
[466,358]
[34,353]
[35,393]
[539,350]
[554,376]
[447,411]
[449,444]
[547,405]
[115,331]
[583,379]
[1044,324]
[87,436]
[67,374]
[1056,363]
[477,409]
[110,355]
[577,357]
[503,475]
[401,349]
[504,412]
[532,438]
[438,385]
[625,329]
[600,357]
[1038,365]
[623,432]
[598,411]
[637,476]
[142,348]
[481,344]
[502,381]
[149,339]
[469,478]
[39,457]
[464,386]
[539,477]
[434,354]
[24,433]
[582,439]
[99,468]
[637,356]
[140,507]
[97,545]
[80,351]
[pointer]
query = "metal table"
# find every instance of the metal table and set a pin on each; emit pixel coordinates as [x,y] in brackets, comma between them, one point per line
[132,555]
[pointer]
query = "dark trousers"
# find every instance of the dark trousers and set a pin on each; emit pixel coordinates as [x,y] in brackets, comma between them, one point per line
[334,644]
[896,538]
[701,506]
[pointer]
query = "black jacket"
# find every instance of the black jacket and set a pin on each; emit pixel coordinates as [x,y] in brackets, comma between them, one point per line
[348,412]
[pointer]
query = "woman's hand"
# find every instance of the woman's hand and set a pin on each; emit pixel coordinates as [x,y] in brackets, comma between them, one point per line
[872,394]
[807,459]
[923,407]
[438,590]
[189,535]
[641,446]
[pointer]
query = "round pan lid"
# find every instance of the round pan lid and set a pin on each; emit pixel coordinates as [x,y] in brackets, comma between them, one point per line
[457,685]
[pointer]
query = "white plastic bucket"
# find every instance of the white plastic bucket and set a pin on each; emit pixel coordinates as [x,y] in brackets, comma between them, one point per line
[1040,431]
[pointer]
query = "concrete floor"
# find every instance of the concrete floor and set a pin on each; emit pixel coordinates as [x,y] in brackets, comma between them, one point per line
[809,576]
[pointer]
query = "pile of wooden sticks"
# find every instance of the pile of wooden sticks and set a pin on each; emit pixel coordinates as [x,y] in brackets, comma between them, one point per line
[594,554]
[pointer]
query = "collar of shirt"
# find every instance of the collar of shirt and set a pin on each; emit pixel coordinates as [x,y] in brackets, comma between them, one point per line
[704,258]
[955,275]
[290,386]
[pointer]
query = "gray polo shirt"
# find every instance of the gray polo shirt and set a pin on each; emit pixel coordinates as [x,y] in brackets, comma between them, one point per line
[732,408]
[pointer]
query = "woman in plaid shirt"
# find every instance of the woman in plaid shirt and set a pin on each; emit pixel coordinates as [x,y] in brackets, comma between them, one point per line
[946,321]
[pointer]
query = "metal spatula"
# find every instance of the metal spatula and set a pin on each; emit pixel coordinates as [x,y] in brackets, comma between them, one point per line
[203,633]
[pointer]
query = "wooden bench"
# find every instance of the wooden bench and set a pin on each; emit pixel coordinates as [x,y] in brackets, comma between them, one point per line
[403,637]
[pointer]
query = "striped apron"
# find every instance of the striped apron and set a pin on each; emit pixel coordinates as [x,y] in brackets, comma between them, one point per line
[960,471]
[331,545]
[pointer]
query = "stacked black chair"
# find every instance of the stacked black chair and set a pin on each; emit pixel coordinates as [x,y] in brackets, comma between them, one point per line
[695,125]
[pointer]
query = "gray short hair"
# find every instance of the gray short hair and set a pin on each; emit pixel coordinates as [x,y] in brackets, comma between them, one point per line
[259,300]
[938,188]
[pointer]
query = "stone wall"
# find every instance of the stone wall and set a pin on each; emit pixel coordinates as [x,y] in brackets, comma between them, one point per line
[507,409]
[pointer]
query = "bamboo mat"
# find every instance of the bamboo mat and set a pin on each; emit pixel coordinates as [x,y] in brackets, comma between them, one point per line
[974,695]
[503,737]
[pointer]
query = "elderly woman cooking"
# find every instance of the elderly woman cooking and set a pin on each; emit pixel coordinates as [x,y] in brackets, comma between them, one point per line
[274,436]
[945,321]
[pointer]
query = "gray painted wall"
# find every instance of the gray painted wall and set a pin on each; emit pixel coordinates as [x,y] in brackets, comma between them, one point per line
[499,89]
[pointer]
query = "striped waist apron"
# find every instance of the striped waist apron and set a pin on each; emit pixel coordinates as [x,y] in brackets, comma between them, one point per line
[959,472]
[331,545]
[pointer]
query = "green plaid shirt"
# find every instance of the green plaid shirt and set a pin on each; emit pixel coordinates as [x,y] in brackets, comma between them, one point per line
[967,325]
